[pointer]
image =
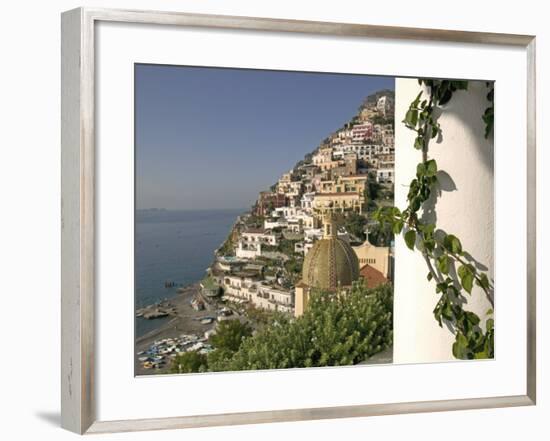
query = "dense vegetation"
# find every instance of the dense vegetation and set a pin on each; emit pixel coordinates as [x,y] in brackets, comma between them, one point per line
[335,330]
[254,221]
[354,224]
[227,340]
[189,362]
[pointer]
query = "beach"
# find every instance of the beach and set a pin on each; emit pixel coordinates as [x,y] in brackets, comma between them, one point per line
[184,327]
[185,321]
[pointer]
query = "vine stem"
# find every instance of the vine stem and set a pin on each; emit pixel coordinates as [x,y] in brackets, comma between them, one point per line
[431,268]
[425,145]
[486,291]
[470,341]
[455,256]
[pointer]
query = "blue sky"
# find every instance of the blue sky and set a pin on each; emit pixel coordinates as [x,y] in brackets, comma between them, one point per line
[210,138]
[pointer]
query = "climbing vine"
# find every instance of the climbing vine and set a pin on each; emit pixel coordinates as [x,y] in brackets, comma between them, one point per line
[448,264]
[488,116]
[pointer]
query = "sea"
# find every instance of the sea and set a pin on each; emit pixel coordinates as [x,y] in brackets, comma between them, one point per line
[174,246]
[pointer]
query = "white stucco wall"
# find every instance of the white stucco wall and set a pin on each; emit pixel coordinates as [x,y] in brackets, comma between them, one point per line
[465,208]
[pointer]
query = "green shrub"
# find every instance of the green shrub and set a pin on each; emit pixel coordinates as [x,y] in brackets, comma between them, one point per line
[230,334]
[335,330]
[189,362]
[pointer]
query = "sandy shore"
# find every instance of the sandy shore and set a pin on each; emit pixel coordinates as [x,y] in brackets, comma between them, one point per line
[186,321]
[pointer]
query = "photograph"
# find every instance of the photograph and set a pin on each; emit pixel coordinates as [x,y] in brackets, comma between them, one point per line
[266,220]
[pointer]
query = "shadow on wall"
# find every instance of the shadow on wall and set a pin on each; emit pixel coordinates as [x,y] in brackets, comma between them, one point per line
[461,109]
[472,121]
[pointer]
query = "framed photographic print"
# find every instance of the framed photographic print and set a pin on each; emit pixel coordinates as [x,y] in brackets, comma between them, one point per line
[276,220]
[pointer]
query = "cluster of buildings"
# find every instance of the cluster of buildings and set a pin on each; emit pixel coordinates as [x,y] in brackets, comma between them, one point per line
[338,170]
[333,179]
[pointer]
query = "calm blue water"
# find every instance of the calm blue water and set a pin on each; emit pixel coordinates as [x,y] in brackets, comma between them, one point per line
[177,246]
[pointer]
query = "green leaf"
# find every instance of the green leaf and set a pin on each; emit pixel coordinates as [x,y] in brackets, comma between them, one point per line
[397,227]
[452,243]
[481,355]
[472,318]
[447,310]
[466,275]
[428,228]
[411,118]
[461,85]
[489,311]
[431,167]
[430,276]
[483,281]
[410,238]
[416,100]
[421,169]
[395,211]
[460,347]
[445,97]
[437,314]
[429,244]
[443,263]
[468,282]
[488,119]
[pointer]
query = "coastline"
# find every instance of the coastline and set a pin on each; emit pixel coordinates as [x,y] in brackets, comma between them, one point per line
[185,321]
[261,260]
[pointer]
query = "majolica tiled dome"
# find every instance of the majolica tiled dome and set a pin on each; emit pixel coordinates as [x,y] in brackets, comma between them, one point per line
[331,263]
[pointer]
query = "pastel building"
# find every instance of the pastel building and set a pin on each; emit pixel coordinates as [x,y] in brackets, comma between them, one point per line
[362,131]
[379,258]
[339,202]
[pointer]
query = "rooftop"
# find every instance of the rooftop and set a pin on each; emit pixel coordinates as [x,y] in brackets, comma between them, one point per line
[372,276]
[254,231]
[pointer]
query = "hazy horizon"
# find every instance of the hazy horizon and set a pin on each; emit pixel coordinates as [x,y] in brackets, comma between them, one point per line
[213,138]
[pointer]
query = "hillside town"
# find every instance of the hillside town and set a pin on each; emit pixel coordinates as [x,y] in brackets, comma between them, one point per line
[311,229]
[261,261]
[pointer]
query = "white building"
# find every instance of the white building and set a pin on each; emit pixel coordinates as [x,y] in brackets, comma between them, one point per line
[261,295]
[307,201]
[247,250]
[239,287]
[323,155]
[314,234]
[274,299]
[384,104]
[285,212]
[270,224]
[385,175]
[259,236]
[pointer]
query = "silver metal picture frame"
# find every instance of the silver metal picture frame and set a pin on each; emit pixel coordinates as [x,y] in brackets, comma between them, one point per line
[78,401]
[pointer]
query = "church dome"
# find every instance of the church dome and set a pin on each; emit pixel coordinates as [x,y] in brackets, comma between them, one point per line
[329,264]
